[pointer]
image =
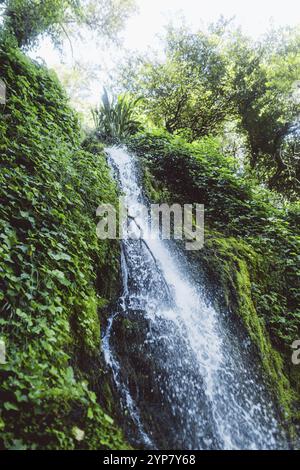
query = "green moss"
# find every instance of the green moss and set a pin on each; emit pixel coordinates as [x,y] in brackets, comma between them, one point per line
[234,266]
[251,249]
[88,323]
[154,190]
[128,324]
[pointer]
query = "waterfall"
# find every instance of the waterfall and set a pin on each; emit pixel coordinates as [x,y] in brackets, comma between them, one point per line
[186,379]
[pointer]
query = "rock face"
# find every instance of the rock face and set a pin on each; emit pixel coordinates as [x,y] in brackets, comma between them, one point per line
[146,372]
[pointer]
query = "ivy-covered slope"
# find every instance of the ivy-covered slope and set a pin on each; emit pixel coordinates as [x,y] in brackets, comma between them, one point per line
[55,275]
[251,252]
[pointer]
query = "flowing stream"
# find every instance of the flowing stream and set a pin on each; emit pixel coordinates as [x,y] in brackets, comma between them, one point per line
[186,377]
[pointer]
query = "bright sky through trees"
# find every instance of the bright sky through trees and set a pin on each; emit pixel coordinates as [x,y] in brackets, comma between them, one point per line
[254,16]
[143,29]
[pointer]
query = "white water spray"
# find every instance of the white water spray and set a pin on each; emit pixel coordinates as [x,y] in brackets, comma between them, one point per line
[205,378]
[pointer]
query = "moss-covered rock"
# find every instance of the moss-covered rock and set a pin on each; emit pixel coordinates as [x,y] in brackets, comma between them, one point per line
[249,261]
[234,266]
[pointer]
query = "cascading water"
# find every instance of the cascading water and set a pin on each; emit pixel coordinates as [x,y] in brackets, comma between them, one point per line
[185,378]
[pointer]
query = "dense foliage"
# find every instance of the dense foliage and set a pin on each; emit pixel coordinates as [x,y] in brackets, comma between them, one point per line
[27,20]
[265,81]
[188,93]
[209,81]
[54,272]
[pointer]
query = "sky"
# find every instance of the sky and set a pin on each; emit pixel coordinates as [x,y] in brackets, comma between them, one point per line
[255,17]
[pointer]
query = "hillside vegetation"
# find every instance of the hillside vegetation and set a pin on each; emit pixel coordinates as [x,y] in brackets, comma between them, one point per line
[55,274]
[251,251]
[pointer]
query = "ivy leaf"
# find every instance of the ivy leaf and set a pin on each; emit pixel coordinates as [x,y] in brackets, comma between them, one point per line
[60,256]
[10,406]
[90,413]
[59,275]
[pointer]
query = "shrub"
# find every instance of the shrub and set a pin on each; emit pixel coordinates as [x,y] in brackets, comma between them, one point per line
[115,119]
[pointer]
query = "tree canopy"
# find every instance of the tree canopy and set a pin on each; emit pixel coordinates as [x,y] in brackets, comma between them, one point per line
[207,80]
[263,80]
[188,92]
[27,20]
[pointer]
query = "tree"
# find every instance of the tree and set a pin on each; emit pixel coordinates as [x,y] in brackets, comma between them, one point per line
[263,79]
[188,92]
[27,20]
